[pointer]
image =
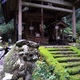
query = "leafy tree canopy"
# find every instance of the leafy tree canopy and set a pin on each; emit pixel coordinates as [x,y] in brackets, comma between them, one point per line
[6,28]
[78,28]
[68,30]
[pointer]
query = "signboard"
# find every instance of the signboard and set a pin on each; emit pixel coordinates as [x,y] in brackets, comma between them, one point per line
[31,28]
[37,35]
[56,27]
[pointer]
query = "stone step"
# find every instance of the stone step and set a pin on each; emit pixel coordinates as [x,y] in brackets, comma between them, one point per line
[65,55]
[70,64]
[59,49]
[68,59]
[58,46]
[62,52]
[74,70]
[75,77]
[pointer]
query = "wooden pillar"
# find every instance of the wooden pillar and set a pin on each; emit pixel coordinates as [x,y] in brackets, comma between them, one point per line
[42,23]
[15,27]
[20,20]
[56,28]
[56,34]
[63,34]
[31,30]
[74,23]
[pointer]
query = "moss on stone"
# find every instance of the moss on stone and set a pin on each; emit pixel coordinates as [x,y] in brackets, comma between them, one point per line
[74,70]
[59,49]
[70,64]
[75,49]
[68,59]
[52,49]
[9,60]
[58,69]
[75,77]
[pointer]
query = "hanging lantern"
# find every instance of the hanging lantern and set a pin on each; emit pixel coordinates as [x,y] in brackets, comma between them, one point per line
[56,27]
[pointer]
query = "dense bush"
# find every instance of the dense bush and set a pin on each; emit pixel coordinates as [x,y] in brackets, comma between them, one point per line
[43,71]
[78,28]
[7,30]
[68,31]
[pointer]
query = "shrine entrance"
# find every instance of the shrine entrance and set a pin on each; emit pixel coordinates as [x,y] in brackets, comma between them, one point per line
[38,15]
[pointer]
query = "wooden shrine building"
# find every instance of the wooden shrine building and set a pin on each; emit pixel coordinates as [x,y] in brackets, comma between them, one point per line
[32,17]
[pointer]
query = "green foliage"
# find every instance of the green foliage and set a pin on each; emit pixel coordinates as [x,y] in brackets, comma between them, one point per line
[43,72]
[68,20]
[7,28]
[68,30]
[78,28]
